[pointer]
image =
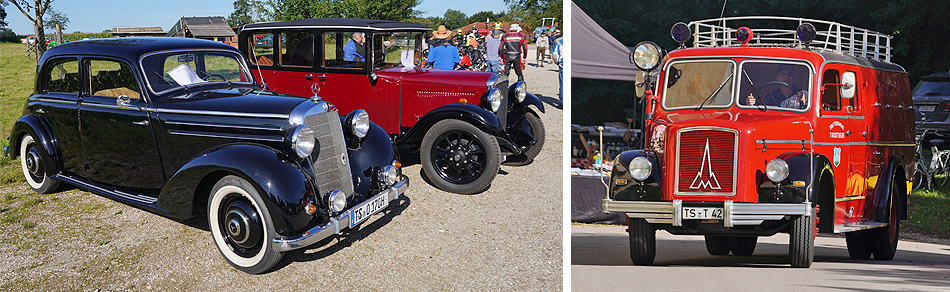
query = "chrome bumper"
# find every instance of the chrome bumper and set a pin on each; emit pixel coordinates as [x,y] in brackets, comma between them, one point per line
[733,213]
[336,225]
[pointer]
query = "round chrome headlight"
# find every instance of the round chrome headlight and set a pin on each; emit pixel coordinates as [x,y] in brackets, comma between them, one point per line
[776,170]
[640,168]
[388,175]
[358,122]
[646,56]
[303,140]
[521,91]
[336,200]
[493,100]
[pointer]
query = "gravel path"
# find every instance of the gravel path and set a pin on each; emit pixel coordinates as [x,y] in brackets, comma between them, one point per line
[506,238]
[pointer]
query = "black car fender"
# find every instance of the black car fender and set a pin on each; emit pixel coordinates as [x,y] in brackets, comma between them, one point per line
[277,177]
[42,133]
[623,187]
[878,209]
[469,113]
[529,99]
[373,152]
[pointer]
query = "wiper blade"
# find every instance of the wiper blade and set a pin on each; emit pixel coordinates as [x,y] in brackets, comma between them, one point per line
[755,92]
[714,93]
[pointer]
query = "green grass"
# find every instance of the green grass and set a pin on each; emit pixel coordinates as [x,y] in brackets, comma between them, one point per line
[16,76]
[928,211]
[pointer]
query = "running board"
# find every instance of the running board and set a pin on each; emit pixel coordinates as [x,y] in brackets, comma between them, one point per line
[858,226]
[141,199]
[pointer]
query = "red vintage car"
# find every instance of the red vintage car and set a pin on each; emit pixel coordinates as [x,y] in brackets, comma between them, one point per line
[465,123]
[761,134]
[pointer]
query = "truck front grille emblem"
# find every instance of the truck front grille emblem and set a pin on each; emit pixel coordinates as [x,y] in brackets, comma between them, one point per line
[701,182]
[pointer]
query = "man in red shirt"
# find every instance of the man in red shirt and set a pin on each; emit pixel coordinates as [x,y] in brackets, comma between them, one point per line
[513,49]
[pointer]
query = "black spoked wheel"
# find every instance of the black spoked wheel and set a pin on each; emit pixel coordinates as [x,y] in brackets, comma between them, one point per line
[642,241]
[884,241]
[717,245]
[460,158]
[801,245]
[858,245]
[743,245]
[241,227]
[34,167]
[536,128]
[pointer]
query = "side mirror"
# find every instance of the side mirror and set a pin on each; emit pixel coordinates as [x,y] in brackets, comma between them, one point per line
[373,78]
[850,85]
[640,85]
[123,101]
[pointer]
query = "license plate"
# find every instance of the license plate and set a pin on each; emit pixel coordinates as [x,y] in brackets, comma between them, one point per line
[702,213]
[368,208]
[926,108]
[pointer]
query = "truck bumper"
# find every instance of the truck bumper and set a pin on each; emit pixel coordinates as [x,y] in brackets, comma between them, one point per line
[733,213]
[337,224]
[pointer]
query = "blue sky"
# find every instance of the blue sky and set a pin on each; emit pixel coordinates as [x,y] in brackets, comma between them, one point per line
[99,15]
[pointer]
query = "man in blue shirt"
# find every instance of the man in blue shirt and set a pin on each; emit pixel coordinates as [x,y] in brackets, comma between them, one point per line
[444,55]
[353,49]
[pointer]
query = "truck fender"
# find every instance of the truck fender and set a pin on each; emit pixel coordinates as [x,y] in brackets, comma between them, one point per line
[647,190]
[284,187]
[473,114]
[39,128]
[878,209]
[821,191]
[375,151]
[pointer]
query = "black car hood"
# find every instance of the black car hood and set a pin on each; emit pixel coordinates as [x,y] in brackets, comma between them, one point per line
[240,100]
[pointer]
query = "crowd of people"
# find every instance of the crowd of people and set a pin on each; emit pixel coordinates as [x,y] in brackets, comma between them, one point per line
[494,51]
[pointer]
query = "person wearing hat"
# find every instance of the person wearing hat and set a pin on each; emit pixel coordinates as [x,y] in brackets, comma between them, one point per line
[513,49]
[443,55]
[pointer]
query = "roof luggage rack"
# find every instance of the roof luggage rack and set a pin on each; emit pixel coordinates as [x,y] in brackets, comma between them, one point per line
[831,36]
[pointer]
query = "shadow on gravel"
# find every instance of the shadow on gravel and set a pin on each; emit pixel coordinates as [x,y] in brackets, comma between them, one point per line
[550,101]
[336,243]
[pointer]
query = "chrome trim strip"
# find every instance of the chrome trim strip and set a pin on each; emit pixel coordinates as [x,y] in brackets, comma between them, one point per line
[109,106]
[838,143]
[845,199]
[735,158]
[797,142]
[495,79]
[336,225]
[217,113]
[305,109]
[275,128]
[677,212]
[97,189]
[734,213]
[226,136]
[39,99]
[892,144]
[842,117]
[848,227]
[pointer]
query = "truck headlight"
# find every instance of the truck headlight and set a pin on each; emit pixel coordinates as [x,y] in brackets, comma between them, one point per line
[520,90]
[640,168]
[388,175]
[358,123]
[776,170]
[336,200]
[303,140]
[646,55]
[493,100]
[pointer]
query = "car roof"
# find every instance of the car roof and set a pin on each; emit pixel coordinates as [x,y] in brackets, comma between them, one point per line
[131,48]
[937,77]
[356,23]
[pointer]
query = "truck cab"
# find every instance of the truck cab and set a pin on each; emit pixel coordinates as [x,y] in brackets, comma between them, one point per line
[795,131]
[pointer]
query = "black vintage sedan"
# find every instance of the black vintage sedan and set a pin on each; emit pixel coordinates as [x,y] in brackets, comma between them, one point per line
[180,128]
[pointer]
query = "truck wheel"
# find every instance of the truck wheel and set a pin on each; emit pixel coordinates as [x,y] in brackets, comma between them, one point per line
[717,245]
[884,240]
[743,245]
[642,241]
[241,227]
[459,158]
[530,152]
[801,245]
[858,247]
[34,167]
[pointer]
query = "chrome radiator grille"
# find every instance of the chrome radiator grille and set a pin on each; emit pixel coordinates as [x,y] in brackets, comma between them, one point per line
[331,167]
[706,161]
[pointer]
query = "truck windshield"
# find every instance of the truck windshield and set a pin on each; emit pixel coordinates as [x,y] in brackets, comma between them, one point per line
[692,84]
[783,86]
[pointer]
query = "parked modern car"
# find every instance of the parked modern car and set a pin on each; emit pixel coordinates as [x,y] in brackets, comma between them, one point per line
[465,123]
[178,127]
[932,105]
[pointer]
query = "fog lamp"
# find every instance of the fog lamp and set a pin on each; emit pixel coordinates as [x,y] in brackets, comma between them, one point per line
[640,168]
[336,200]
[388,175]
[776,170]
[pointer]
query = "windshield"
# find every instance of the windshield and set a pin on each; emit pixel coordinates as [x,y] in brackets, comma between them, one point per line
[165,71]
[395,49]
[706,83]
[784,86]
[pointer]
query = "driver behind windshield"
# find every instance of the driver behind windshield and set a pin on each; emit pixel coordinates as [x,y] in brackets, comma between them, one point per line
[785,96]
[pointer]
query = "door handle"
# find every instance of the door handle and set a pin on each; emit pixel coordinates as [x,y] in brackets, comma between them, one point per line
[309,76]
[322,78]
[142,123]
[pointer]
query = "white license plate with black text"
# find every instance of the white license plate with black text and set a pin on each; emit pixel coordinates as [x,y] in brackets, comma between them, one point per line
[926,108]
[702,213]
[368,208]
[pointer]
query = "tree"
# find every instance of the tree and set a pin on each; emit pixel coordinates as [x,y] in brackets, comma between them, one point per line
[3,15]
[491,16]
[532,11]
[54,17]
[398,10]
[454,19]
[247,11]
[39,9]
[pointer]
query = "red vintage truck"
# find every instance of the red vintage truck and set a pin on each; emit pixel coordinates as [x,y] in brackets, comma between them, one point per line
[794,131]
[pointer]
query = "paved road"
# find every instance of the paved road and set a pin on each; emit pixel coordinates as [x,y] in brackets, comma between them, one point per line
[600,261]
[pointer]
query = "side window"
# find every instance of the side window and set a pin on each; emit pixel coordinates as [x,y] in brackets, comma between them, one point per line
[830,95]
[111,79]
[62,76]
[296,49]
[343,50]
[261,49]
